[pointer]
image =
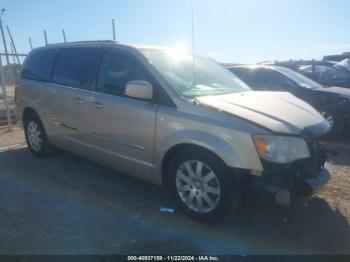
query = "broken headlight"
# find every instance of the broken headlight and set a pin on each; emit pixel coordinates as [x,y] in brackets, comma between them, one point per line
[281,149]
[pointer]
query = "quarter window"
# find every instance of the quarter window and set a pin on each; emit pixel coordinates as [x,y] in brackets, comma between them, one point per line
[116,71]
[75,67]
[39,65]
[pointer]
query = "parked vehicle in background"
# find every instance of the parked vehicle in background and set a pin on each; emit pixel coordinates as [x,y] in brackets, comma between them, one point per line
[337,58]
[326,73]
[204,134]
[344,64]
[332,102]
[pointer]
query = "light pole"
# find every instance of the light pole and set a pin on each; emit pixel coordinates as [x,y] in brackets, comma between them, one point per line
[2,75]
[3,37]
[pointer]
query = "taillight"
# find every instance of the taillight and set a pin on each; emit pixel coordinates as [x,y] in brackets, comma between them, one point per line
[17,87]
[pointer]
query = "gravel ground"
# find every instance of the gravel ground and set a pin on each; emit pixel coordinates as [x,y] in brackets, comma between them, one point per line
[68,205]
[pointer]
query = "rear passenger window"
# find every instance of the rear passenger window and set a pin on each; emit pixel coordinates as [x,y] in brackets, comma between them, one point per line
[39,65]
[75,67]
[116,71]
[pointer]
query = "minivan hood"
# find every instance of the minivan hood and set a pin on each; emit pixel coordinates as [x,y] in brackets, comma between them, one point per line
[279,112]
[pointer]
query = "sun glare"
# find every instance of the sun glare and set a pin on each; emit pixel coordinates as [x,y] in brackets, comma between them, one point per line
[178,52]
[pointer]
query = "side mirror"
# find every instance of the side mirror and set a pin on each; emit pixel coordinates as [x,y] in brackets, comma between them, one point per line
[139,89]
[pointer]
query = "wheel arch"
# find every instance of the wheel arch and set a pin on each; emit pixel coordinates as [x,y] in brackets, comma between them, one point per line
[28,111]
[177,148]
[235,153]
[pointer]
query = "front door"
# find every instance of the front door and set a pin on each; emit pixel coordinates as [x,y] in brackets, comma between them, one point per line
[121,128]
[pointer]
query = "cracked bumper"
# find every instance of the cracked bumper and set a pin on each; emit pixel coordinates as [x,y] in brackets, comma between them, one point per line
[322,179]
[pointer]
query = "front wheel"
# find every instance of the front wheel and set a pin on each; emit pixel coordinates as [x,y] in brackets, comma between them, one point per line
[202,185]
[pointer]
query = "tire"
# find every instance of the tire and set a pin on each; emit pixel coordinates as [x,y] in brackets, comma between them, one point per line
[336,121]
[210,197]
[35,135]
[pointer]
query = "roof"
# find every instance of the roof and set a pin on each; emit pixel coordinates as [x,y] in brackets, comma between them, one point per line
[82,43]
[254,66]
[99,43]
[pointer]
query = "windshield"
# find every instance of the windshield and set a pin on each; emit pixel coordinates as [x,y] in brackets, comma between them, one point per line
[209,78]
[300,79]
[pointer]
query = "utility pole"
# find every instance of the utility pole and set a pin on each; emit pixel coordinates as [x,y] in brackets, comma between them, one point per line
[13,54]
[64,36]
[3,38]
[13,44]
[45,36]
[113,27]
[3,85]
[30,43]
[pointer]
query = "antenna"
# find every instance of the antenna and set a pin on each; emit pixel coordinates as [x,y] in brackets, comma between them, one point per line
[193,46]
[113,28]
[64,36]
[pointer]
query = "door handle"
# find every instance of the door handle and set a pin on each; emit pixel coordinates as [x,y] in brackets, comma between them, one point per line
[79,100]
[96,104]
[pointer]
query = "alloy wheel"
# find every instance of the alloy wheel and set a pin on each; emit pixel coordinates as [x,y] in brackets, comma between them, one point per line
[34,136]
[198,186]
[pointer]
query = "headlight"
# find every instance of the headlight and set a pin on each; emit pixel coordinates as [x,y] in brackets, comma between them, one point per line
[281,149]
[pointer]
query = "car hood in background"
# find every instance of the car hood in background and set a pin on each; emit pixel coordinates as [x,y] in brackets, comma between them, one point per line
[279,112]
[341,91]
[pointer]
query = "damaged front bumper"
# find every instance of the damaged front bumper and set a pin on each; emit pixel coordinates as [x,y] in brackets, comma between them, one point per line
[288,183]
[323,178]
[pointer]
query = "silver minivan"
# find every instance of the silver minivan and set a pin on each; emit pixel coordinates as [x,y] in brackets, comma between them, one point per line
[172,118]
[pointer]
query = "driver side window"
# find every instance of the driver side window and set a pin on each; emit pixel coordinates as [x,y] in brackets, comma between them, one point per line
[116,70]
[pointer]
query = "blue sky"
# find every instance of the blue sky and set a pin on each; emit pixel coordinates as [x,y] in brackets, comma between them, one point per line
[227,30]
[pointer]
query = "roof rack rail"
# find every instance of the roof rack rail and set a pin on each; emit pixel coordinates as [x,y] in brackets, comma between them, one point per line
[94,41]
[88,41]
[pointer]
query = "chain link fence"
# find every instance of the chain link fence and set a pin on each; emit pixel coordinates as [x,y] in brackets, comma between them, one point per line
[9,73]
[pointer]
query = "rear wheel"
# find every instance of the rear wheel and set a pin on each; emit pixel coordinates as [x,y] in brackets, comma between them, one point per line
[202,185]
[336,122]
[35,136]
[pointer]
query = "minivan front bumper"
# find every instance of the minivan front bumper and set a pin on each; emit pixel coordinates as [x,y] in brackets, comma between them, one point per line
[287,191]
[288,183]
[323,178]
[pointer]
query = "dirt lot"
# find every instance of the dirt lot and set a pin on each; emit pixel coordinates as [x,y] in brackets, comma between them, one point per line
[10,90]
[67,205]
